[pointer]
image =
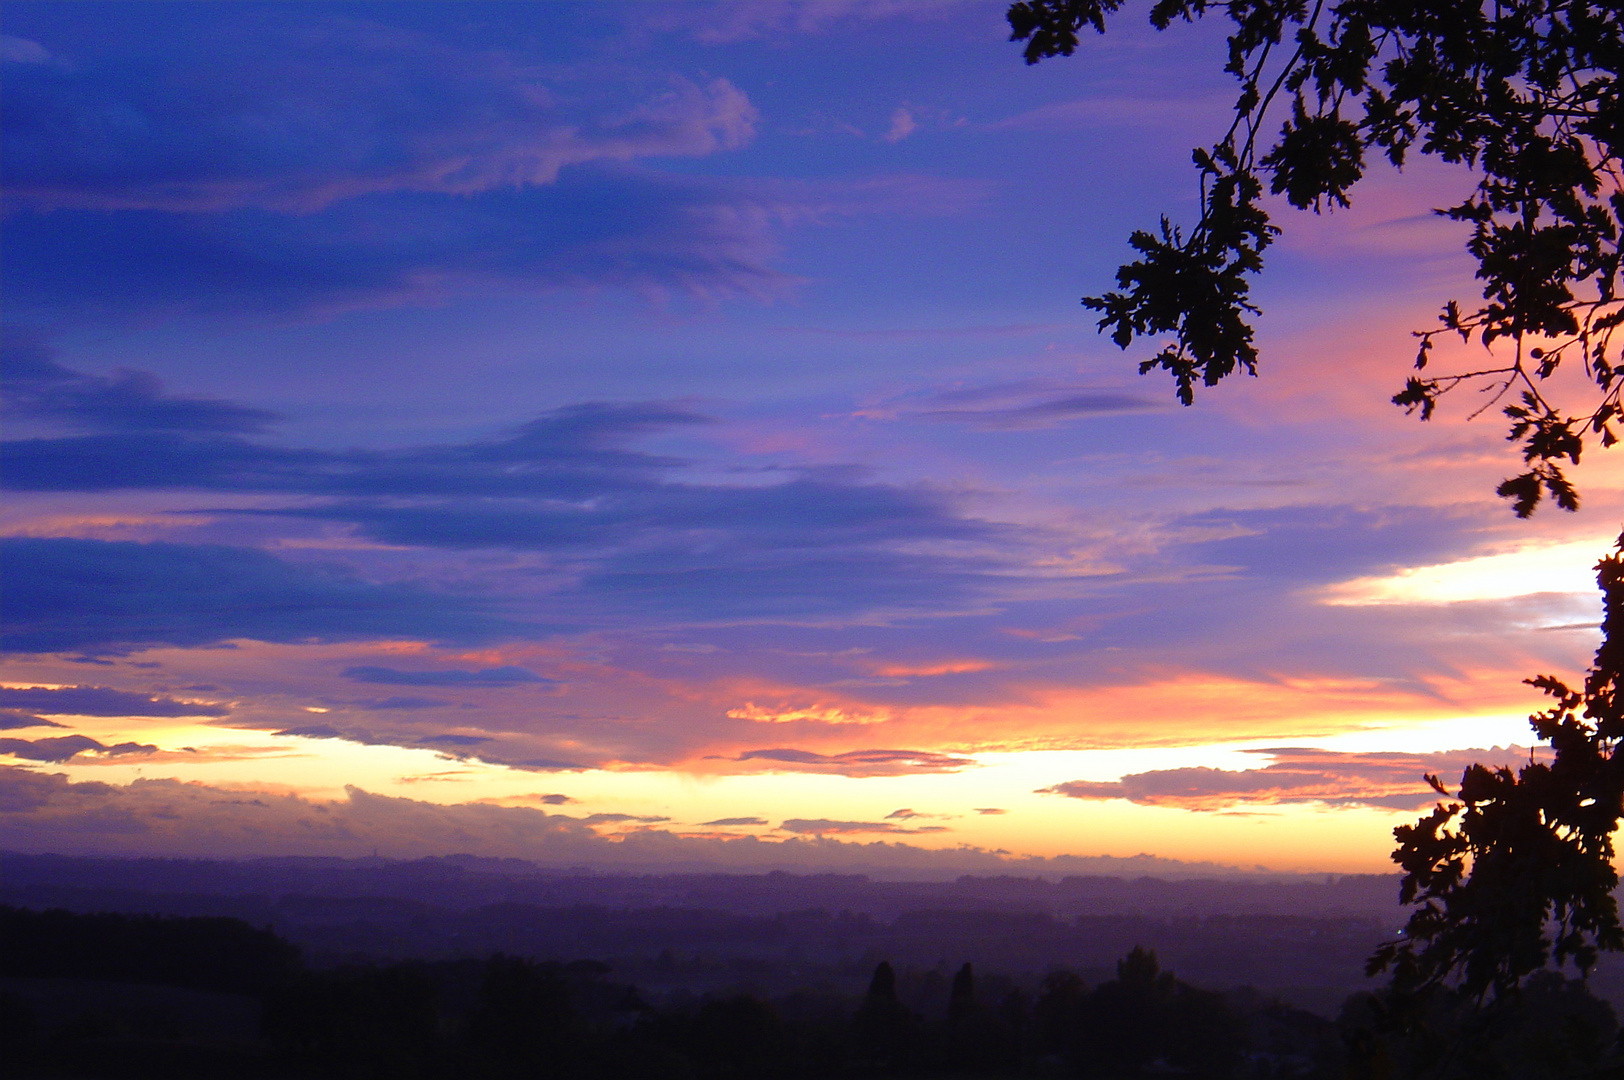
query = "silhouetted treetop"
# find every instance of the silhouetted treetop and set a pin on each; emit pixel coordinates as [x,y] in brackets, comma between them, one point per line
[1522,92]
[883,985]
[1519,868]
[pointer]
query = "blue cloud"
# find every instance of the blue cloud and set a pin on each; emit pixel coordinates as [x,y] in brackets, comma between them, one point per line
[390,704]
[568,453]
[103,701]
[297,161]
[1045,412]
[97,596]
[64,747]
[35,386]
[596,227]
[796,586]
[454,740]
[497,676]
[291,111]
[1321,544]
[820,543]
[324,731]
[14,719]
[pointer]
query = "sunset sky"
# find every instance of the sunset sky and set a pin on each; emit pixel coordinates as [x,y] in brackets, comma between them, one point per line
[667,435]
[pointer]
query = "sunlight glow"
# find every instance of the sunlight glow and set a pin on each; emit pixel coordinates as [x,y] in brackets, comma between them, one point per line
[1555,568]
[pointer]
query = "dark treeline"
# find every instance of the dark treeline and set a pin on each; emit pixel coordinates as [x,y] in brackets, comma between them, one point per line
[1303,939]
[145,996]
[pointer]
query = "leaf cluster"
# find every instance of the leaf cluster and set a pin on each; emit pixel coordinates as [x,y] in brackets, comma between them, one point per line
[1518,869]
[1523,93]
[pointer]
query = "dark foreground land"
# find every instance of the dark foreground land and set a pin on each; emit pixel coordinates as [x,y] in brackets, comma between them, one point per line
[450,968]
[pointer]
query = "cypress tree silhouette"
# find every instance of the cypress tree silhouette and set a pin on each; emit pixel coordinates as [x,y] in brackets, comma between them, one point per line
[979,1041]
[961,1002]
[884,1026]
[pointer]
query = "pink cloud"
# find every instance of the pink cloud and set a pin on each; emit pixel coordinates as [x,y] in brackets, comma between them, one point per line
[860,762]
[823,826]
[1298,775]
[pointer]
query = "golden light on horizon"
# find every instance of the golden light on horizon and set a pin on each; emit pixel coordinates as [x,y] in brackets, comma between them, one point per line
[1547,568]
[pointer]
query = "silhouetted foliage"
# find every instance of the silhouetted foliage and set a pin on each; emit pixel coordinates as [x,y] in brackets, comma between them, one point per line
[1524,92]
[523,1021]
[1058,1016]
[207,954]
[1146,1021]
[1519,869]
[978,1039]
[961,1002]
[1553,1029]
[371,1021]
[740,1036]
[884,1027]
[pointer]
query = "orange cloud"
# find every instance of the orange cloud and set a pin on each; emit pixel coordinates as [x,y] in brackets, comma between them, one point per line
[817,714]
[949,667]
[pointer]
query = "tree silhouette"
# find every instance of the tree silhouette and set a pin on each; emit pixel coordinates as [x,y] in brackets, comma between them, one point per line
[1554,1029]
[1058,1015]
[884,1027]
[360,1021]
[1524,92]
[1520,869]
[961,1001]
[1146,1022]
[523,1020]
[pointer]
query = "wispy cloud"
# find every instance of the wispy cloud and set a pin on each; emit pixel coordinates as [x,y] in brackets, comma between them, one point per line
[90,595]
[34,386]
[498,676]
[103,701]
[66,747]
[860,762]
[817,545]
[733,21]
[17,719]
[1028,404]
[271,114]
[903,124]
[825,827]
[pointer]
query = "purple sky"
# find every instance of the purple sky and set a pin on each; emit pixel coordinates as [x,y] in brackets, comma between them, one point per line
[672,428]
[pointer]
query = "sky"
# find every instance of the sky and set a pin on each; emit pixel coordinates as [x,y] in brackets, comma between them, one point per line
[666,435]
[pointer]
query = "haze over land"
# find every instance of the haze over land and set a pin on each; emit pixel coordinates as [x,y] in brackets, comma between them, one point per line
[664,437]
